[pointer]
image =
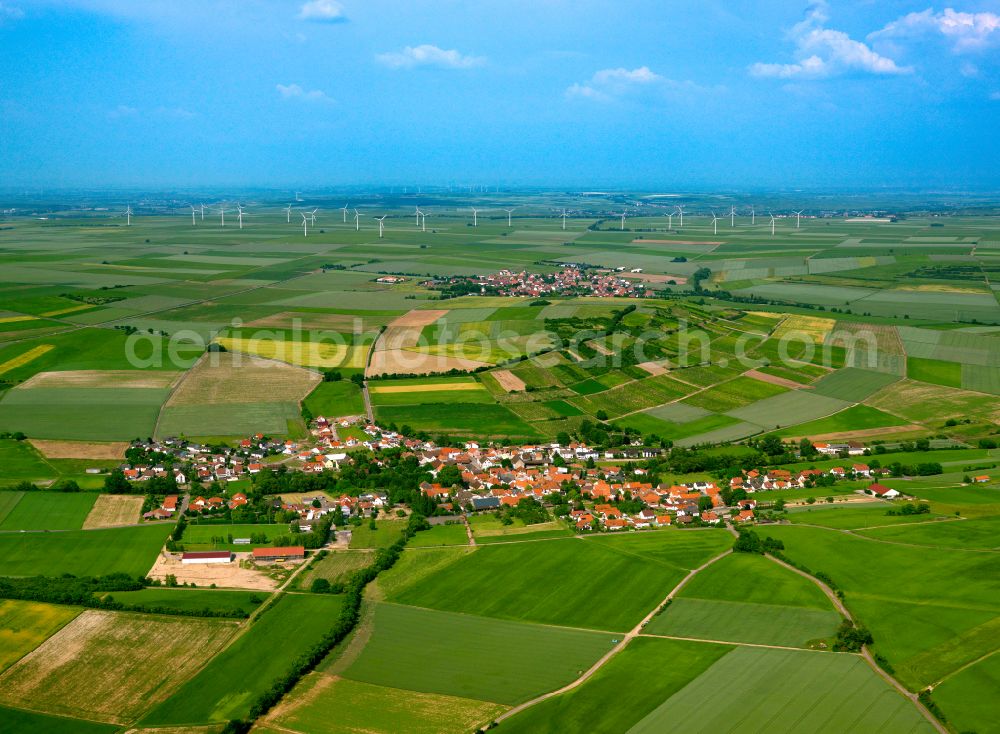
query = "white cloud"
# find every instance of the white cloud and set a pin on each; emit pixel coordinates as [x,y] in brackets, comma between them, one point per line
[322,11]
[294,91]
[607,84]
[967,31]
[123,110]
[428,55]
[823,52]
[9,12]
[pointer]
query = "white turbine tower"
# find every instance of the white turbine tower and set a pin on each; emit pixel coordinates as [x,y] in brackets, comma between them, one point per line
[128,216]
[564,215]
[203,212]
[312,217]
[715,224]
[305,225]
[194,210]
[798,216]
[670,221]
[623,220]
[288,214]
[357,221]
[222,213]
[753,215]
[772,224]
[680,212]
[417,213]
[423,221]
[344,209]
[732,216]
[239,215]
[509,212]
[381,224]
[475,215]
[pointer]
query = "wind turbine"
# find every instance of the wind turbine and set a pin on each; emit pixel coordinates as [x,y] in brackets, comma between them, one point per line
[357,221]
[798,216]
[222,212]
[128,216]
[732,216]
[203,212]
[670,221]
[417,213]
[305,225]
[772,224]
[680,211]
[753,215]
[564,215]
[193,211]
[509,211]
[240,215]
[475,213]
[344,209]
[312,216]
[288,214]
[381,221]
[423,221]
[715,224]
[623,220]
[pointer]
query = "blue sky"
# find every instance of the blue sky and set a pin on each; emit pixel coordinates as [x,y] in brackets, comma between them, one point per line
[741,94]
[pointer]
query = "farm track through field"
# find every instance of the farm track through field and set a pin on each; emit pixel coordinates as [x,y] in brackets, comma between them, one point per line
[628,637]
[865,652]
[854,534]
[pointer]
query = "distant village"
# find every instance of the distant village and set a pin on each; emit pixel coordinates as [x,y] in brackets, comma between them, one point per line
[567,282]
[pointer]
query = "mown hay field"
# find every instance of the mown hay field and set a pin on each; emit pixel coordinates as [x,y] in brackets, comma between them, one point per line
[24,625]
[110,667]
[112,510]
[227,378]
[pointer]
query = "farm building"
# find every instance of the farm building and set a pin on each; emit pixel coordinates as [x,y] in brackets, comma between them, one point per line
[207,557]
[285,553]
[880,490]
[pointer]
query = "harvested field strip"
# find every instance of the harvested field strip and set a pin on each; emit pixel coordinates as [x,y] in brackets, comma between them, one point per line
[16,319]
[418,318]
[773,379]
[109,667]
[110,451]
[303,353]
[118,379]
[113,510]
[229,378]
[434,387]
[508,380]
[30,355]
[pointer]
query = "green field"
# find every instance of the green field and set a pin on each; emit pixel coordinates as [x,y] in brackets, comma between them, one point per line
[335,399]
[793,691]
[267,649]
[91,414]
[47,510]
[386,533]
[473,419]
[590,583]
[129,550]
[363,707]
[935,371]
[855,418]
[24,625]
[950,613]
[626,689]
[853,384]
[970,697]
[472,657]
[748,598]
[854,516]
[453,534]
[18,721]
[336,566]
[199,537]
